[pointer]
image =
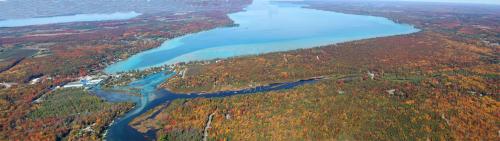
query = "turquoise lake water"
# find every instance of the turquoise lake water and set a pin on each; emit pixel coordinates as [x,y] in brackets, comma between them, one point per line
[66,19]
[265,27]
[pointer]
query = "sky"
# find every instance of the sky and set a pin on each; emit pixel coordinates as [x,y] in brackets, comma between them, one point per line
[497,2]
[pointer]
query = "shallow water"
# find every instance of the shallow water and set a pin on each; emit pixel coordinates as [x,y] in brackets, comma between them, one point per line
[66,19]
[265,27]
[152,97]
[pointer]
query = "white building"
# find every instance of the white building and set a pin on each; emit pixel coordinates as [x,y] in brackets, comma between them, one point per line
[77,84]
[34,81]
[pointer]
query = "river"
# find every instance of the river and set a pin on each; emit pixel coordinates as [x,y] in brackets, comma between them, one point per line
[263,27]
[152,97]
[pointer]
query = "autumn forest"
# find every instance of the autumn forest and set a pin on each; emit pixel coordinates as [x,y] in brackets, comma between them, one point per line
[440,83]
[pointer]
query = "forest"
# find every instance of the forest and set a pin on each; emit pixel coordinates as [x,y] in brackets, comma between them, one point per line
[329,109]
[438,97]
[72,114]
[56,54]
[425,53]
[441,83]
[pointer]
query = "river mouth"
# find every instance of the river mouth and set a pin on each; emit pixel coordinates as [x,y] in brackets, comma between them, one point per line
[151,97]
[263,27]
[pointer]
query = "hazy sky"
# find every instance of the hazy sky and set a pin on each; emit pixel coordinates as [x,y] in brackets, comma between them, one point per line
[497,2]
[461,1]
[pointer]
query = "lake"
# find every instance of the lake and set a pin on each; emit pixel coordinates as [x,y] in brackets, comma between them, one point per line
[265,27]
[66,19]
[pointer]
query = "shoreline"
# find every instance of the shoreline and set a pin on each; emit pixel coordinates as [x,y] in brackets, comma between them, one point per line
[203,62]
[317,78]
[295,44]
[268,84]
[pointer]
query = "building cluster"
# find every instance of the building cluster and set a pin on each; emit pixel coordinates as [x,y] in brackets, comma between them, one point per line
[87,81]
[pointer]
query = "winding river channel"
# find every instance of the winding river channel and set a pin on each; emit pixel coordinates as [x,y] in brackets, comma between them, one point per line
[152,97]
[263,27]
